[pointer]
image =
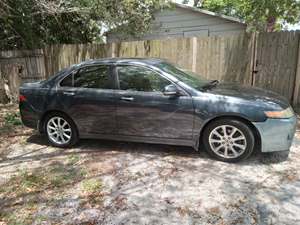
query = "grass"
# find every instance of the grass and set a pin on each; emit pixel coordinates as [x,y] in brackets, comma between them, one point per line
[23,193]
[73,159]
[92,195]
[9,121]
[55,176]
[13,119]
[91,185]
[24,216]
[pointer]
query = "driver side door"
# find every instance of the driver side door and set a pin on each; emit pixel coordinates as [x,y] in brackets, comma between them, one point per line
[144,111]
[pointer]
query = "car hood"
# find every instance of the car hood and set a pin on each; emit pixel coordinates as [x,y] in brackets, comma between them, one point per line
[255,94]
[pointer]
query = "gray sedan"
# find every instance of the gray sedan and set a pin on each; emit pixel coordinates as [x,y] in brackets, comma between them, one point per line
[153,101]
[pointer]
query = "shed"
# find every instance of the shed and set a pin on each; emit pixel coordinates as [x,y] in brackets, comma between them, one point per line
[185,21]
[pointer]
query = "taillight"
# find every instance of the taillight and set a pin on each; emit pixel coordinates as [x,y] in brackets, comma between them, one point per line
[22,98]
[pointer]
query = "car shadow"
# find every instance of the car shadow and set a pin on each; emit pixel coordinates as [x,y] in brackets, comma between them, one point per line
[100,145]
[96,146]
[39,150]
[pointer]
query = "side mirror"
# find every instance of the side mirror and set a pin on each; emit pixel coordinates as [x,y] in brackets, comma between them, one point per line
[170,90]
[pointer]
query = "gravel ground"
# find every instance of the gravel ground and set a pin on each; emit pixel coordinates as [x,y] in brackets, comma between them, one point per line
[131,183]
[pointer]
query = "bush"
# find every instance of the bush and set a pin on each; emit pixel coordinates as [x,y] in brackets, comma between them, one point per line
[13,119]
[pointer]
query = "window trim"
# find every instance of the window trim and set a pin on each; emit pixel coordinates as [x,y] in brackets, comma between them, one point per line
[65,77]
[75,71]
[115,71]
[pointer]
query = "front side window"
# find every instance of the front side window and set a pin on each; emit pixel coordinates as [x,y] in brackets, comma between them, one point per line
[89,77]
[136,78]
[187,77]
[67,81]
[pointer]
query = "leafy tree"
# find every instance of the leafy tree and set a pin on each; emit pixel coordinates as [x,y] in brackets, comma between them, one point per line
[265,15]
[35,23]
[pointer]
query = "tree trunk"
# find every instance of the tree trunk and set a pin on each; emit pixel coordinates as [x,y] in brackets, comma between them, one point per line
[271,24]
[196,2]
[9,83]
[3,96]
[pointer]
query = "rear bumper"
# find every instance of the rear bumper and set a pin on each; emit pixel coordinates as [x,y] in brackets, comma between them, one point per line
[29,116]
[276,134]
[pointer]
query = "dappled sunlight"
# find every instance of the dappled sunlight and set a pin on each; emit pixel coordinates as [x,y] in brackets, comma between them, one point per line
[111,182]
[143,183]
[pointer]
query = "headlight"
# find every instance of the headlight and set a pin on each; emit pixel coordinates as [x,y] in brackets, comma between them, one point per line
[287,113]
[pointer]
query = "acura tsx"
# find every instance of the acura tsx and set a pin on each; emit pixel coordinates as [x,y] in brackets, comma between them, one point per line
[153,101]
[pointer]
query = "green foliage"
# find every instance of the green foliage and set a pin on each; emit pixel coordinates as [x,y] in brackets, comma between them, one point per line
[28,187]
[55,176]
[73,159]
[35,23]
[258,14]
[12,119]
[92,195]
[91,185]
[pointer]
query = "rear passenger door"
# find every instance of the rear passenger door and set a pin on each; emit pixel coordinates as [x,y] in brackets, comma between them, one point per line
[88,96]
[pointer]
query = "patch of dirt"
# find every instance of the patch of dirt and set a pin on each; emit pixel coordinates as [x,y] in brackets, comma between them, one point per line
[105,182]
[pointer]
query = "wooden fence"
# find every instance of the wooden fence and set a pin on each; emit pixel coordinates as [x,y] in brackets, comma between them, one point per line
[17,67]
[266,60]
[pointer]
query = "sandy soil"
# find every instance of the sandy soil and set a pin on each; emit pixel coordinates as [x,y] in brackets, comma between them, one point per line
[145,184]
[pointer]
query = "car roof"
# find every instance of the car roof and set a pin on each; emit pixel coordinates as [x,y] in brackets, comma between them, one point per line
[149,61]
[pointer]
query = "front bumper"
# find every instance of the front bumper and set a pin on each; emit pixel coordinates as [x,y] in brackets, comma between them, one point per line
[276,134]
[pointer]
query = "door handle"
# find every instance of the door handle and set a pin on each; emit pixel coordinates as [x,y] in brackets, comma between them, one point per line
[128,99]
[69,93]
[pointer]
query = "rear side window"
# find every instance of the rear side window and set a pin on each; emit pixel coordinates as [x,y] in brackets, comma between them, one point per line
[90,77]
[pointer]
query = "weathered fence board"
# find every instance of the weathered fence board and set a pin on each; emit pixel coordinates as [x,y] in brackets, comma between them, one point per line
[296,94]
[276,62]
[267,60]
[58,57]
[18,67]
[177,51]
[225,58]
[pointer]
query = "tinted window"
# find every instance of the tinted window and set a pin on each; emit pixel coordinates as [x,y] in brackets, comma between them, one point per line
[93,77]
[67,81]
[190,78]
[140,79]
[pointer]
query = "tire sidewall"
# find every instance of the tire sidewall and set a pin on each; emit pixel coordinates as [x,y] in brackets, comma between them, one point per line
[74,135]
[245,129]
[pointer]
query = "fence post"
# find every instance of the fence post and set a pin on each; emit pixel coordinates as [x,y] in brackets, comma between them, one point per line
[253,57]
[297,78]
[194,53]
[113,49]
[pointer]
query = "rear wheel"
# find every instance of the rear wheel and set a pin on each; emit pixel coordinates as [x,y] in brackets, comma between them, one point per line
[228,140]
[60,130]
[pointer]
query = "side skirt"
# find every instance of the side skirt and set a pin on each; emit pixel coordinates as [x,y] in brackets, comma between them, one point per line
[151,140]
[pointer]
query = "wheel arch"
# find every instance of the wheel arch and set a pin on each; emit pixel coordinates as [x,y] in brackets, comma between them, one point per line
[256,133]
[45,114]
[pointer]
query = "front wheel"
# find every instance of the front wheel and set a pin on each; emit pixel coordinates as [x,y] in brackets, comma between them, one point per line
[228,140]
[60,130]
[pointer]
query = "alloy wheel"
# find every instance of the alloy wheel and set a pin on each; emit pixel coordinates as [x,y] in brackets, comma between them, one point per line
[59,130]
[227,141]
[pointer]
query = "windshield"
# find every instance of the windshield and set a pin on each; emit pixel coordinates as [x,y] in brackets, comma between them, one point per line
[187,77]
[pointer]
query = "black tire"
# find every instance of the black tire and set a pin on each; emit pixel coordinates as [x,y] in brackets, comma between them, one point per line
[241,126]
[74,133]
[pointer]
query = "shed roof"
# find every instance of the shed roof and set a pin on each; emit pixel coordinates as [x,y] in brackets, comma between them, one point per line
[197,10]
[201,11]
